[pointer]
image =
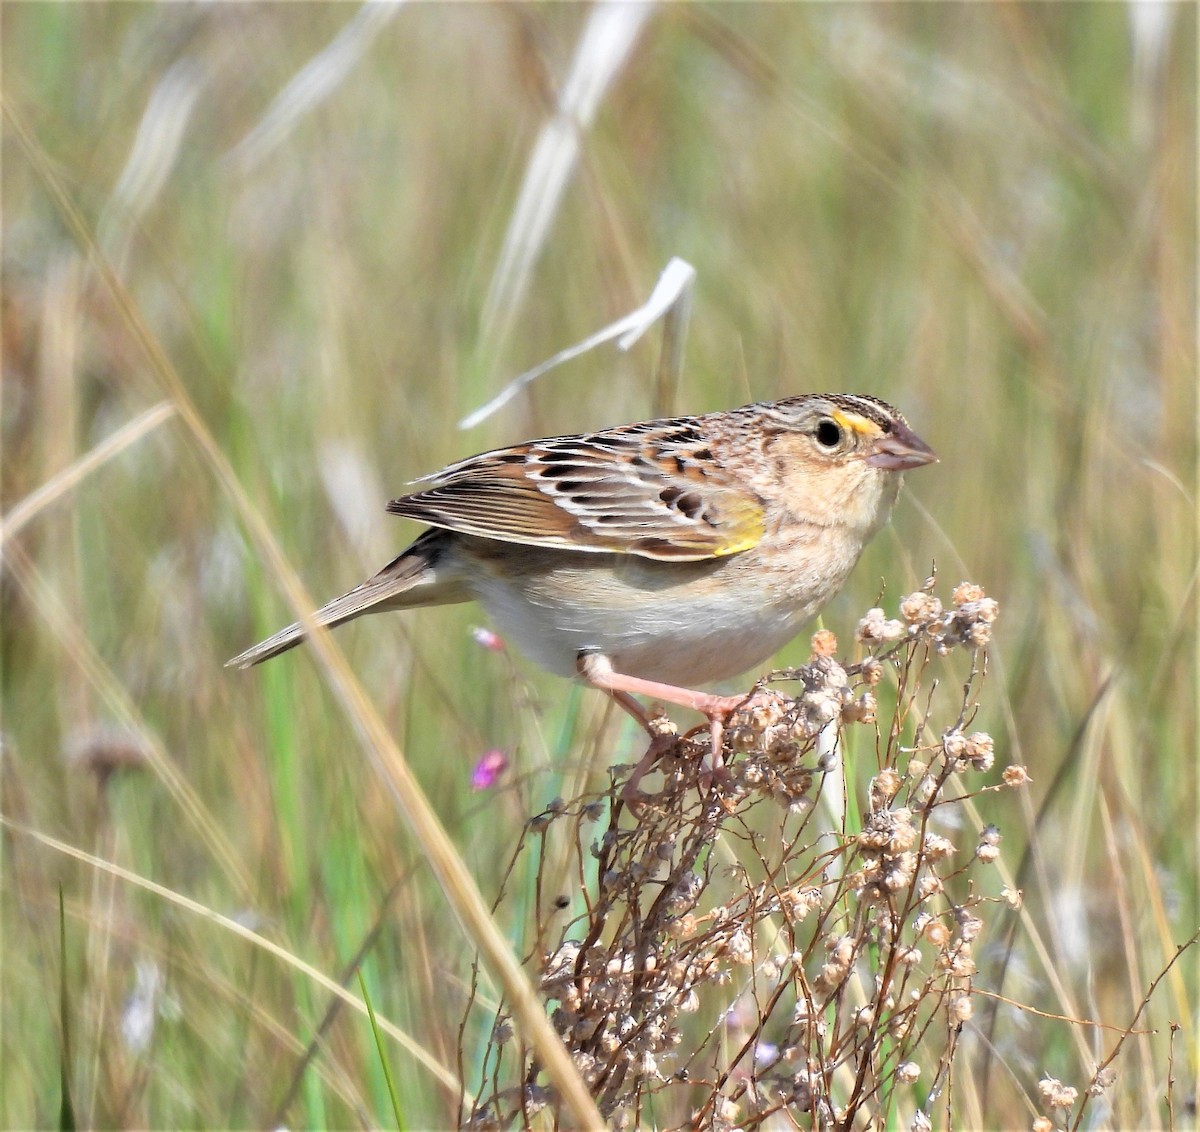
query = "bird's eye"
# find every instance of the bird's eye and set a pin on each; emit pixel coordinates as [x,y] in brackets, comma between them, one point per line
[829,433]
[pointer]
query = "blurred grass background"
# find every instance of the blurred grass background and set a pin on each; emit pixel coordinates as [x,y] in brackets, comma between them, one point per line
[985,214]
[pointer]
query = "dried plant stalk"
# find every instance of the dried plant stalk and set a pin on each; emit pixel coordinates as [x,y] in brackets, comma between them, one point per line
[736,961]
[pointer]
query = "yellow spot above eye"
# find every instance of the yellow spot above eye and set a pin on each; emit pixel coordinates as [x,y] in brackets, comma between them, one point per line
[853,422]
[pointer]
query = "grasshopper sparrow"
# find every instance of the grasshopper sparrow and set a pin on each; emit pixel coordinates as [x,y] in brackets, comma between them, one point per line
[651,557]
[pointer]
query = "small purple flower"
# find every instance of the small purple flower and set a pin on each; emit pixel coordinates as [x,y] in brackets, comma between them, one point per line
[488,769]
[485,638]
[765,1054]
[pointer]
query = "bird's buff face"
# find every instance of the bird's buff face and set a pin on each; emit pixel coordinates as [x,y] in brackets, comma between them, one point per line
[845,458]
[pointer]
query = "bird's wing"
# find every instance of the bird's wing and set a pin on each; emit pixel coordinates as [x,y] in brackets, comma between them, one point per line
[652,489]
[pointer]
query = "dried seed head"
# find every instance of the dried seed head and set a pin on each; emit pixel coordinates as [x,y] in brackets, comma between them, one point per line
[925,789]
[661,726]
[898,872]
[936,933]
[875,628]
[900,1026]
[980,750]
[888,782]
[763,710]
[1055,1094]
[502,1031]
[686,892]
[888,831]
[920,608]
[682,927]
[908,1072]
[937,848]
[1103,1080]
[1015,776]
[830,976]
[861,710]
[824,643]
[954,745]
[796,903]
[969,926]
[929,886]
[966,592]
[740,950]
[961,964]
[988,849]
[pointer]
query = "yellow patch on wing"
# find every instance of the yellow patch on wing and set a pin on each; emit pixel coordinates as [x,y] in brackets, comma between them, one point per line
[743,529]
[856,423]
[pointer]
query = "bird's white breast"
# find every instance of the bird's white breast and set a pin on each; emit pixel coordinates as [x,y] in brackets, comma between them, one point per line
[684,623]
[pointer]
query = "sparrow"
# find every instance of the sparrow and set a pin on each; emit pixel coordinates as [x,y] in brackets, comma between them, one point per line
[650,558]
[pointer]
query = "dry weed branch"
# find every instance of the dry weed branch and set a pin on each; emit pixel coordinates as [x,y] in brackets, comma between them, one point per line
[736,962]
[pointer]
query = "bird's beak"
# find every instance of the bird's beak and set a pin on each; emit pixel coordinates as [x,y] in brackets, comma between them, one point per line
[900,450]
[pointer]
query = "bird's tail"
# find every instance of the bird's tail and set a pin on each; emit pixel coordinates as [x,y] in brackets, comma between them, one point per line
[406,581]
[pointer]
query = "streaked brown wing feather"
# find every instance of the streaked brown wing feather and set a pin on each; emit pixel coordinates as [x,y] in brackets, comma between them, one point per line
[651,489]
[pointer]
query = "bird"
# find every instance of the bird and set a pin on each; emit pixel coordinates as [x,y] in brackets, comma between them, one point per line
[649,558]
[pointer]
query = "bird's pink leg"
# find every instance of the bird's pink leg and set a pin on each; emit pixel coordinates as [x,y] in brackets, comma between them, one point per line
[598,671]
